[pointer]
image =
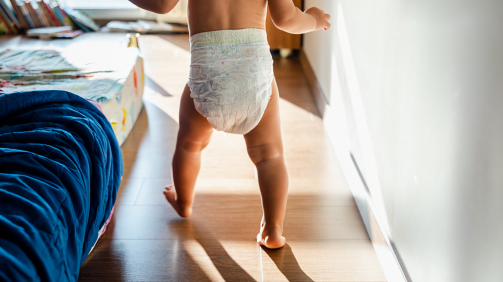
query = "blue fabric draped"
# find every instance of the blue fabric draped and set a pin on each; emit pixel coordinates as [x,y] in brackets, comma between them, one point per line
[60,170]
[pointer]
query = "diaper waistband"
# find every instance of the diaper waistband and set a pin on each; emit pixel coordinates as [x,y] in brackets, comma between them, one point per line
[228,36]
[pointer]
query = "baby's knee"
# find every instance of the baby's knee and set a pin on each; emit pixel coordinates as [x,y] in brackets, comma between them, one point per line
[191,145]
[264,152]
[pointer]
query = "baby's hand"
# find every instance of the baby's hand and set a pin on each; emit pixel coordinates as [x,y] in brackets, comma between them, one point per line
[321,18]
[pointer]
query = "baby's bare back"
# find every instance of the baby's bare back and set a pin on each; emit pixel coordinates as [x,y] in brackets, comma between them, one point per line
[210,15]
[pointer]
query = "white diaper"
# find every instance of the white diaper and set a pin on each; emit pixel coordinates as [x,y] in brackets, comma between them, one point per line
[230,77]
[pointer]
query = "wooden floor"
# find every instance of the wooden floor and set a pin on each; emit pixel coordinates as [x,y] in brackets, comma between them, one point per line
[147,241]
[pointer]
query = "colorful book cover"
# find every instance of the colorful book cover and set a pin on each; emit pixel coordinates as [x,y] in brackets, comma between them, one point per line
[50,13]
[9,12]
[41,15]
[19,14]
[12,16]
[33,14]
[59,16]
[82,20]
[26,15]
[29,9]
[8,18]
[45,13]
[3,26]
[9,27]
[68,21]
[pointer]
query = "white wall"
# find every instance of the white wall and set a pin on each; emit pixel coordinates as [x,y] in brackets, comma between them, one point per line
[421,85]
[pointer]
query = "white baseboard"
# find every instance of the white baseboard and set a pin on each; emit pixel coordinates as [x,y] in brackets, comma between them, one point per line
[335,126]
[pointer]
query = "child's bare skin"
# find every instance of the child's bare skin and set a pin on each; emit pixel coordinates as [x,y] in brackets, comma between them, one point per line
[264,142]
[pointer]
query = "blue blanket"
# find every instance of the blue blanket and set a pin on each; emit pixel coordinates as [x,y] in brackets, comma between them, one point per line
[60,169]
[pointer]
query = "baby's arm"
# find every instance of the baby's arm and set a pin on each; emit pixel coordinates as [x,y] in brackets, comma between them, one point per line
[291,19]
[156,6]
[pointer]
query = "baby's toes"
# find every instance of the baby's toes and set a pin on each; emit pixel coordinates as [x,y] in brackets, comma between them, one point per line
[170,194]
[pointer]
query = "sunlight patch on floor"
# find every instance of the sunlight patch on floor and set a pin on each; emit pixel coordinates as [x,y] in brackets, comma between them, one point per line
[169,105]
[201,258]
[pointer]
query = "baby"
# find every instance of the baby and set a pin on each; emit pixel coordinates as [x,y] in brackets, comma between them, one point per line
[231,88]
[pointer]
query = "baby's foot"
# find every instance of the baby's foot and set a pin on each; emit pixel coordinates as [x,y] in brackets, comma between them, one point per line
[270,237]
[170,194]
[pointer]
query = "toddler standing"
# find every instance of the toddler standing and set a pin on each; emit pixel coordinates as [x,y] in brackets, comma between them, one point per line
[231,88]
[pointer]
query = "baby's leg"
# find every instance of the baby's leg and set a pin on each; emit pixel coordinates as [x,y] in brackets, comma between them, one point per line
[265,148]
[194,135]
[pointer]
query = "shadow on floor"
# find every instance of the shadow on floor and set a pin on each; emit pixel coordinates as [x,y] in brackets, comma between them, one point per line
[292,83]
[287,263]
[141,260]
[151,128]
[150,83]
[223,262]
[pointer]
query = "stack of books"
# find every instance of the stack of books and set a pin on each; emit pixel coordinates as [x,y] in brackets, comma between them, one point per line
[16,17]
[58,32]
[145,27]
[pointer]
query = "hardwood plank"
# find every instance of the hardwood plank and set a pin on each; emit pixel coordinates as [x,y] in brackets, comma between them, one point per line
[128,191]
